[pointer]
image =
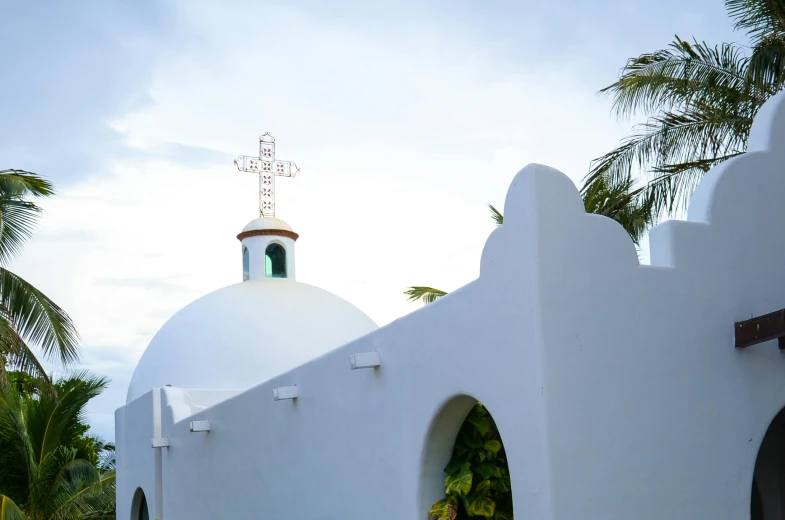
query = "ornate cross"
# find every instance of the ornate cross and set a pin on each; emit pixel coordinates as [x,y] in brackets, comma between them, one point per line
[267,168]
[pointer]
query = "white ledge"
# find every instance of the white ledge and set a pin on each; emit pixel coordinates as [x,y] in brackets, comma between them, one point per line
[160,442]
[365,360]
[200,426]
[285,392]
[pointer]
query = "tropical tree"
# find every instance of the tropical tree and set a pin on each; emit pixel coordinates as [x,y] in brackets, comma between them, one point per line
[28,318]
[46,471]
[698,102]
[620,200]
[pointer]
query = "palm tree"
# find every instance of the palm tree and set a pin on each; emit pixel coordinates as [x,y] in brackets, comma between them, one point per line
[45,474]
[620,200]
[28,318]
[764,23]
[631,207]
[699,102]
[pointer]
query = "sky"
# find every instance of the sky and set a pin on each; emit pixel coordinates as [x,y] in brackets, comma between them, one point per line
[406,118]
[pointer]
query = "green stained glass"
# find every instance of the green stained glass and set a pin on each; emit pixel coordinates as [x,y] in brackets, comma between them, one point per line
[275,261]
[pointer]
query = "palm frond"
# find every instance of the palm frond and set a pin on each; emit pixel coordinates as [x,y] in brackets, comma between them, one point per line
[26,384]
[38,454]
[671,140]
[496,215]
[93,502]
[18,215]
[425,294]
[673,184]
[107,459]
[9,510]
[24,184]
[16,453]
[19,357]
[632,208]
[700,102]
[758,18]
[37,319]
[767,64]
[17,220]
[681,74]
[49,472]
[57,420]
[75,479]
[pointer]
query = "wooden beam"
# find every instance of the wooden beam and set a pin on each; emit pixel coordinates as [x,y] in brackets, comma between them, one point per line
[763,328]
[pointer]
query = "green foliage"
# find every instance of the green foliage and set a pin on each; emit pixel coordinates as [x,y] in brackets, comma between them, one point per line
[28,318]
[496,215]
[51,468]
[764,23]
[698,100]
[18,215]
[631,207]
[699,106]
[24,383]
[478,478]
[426,294]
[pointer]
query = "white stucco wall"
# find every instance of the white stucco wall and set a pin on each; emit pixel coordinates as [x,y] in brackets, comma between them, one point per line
[616,387]
[138,466]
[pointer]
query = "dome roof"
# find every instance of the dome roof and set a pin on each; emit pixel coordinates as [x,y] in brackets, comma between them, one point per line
[245,334]
[261,223]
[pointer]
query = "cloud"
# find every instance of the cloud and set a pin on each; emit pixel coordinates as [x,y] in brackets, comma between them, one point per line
[405,117]
[71,69]
[141,283]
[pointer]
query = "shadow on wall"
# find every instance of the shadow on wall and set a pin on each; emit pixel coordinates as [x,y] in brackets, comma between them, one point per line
[464,471]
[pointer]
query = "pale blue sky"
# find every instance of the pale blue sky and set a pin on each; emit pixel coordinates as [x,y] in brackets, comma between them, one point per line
[406,118]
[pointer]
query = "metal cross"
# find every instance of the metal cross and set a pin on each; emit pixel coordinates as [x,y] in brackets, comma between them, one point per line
[267,168]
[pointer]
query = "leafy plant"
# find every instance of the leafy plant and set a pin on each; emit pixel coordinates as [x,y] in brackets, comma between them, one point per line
[478,479]
[50,468]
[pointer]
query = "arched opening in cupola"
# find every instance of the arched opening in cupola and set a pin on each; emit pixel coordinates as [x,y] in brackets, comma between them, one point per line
[465,471]
[246,264]
[275,261]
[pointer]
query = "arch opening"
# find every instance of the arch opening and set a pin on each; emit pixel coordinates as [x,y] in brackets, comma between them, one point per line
[139,509]
[464,470]
[246,265]
[275,261]
[767,500]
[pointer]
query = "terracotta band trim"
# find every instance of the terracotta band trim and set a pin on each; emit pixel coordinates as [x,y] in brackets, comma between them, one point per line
[262,232]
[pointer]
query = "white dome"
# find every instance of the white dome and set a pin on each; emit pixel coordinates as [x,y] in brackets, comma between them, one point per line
[245,334]
[260,223]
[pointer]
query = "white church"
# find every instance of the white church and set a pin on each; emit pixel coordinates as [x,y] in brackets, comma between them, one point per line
[621,391]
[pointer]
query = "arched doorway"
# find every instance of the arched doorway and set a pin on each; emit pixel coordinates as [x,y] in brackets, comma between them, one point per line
[465,471]
[768,481]
[139,510]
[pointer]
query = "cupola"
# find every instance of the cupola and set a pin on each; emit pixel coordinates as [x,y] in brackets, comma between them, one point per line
[268,249]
